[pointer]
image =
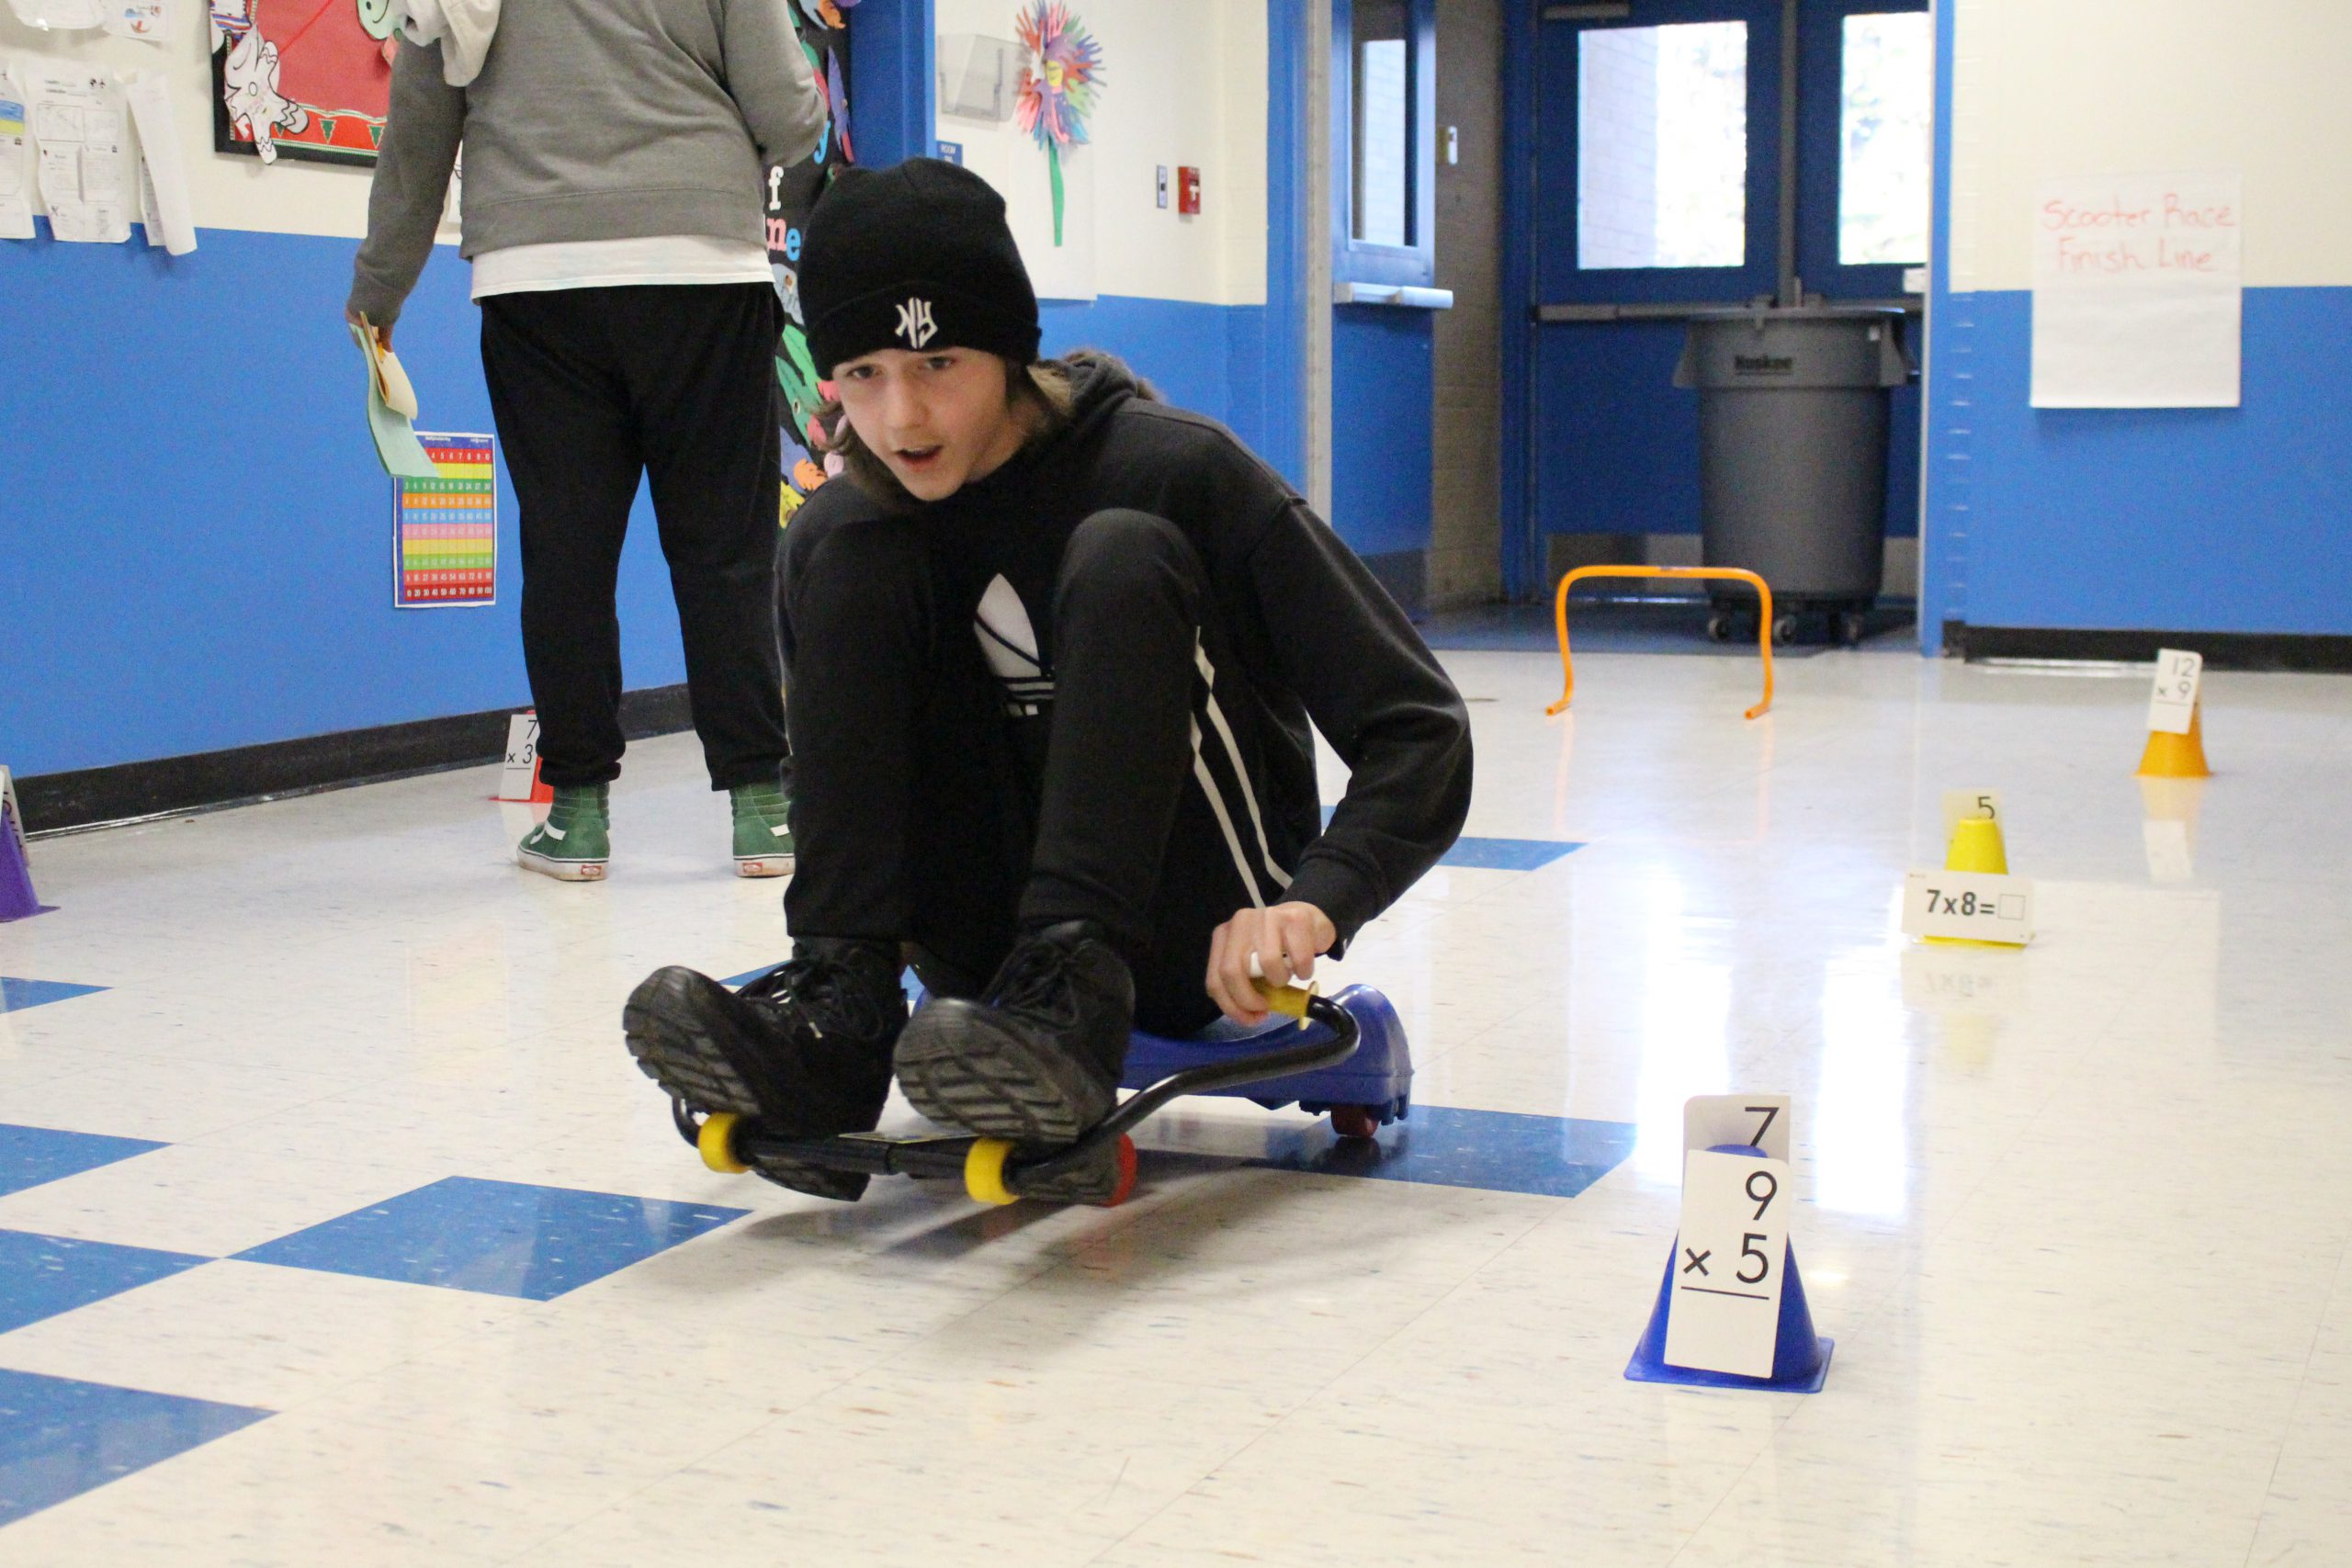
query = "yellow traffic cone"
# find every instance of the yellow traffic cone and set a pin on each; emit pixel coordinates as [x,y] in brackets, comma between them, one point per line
[1975,846]
[2171,756]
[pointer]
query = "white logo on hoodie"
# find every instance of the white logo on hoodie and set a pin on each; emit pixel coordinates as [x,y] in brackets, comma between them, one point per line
[915,324]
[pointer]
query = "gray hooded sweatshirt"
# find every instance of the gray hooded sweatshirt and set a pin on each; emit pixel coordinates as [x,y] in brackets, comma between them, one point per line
[591,120]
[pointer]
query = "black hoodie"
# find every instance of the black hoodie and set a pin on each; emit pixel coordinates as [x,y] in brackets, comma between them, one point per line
[1316,636]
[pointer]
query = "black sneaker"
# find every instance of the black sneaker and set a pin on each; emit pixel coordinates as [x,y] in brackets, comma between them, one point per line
[1037,1058]
[803,1050]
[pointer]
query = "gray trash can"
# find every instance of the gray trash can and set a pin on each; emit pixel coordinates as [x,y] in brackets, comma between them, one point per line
[1792,413]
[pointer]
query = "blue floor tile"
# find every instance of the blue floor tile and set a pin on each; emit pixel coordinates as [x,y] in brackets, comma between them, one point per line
[60,1438]
[502,1238]
[1507,854]
[41,1276]
[1501,1151]
[17,995]
[30,1155]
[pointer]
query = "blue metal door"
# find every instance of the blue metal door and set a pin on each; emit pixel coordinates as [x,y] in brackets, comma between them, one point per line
[1607,256]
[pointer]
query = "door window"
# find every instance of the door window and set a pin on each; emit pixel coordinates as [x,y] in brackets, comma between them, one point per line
[1885,139]
[1662,146]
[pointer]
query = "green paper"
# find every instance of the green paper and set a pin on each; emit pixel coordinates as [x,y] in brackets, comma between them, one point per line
[397,447]
[1054,164]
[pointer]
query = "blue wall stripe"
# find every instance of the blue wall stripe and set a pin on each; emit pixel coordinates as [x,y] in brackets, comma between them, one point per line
[1945,383]
[199,535]
[1184,348]
[2227,520]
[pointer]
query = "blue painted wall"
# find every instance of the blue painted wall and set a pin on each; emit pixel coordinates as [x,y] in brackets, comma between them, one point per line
[1203,358]
[196,548]
[2226,520]
[2180,520]
[196,539]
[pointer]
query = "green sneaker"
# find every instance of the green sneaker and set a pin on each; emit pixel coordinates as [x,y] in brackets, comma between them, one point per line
[575,840]
[762,836]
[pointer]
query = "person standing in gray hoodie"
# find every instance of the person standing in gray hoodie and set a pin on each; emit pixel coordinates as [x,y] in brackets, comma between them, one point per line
[615,155]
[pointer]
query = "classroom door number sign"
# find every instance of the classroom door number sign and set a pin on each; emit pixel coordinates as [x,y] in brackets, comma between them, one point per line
[1729,1258]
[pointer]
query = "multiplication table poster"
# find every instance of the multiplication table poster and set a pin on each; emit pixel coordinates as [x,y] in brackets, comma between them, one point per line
[445,529]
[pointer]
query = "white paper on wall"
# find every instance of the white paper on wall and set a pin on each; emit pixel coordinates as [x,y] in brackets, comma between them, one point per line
[147,19]
[78,127]
[2138,283]
[159,152]
[61,15]
[16,162]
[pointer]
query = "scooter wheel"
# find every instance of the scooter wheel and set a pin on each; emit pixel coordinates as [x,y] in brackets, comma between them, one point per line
[1355,1121]
[716,1143]
[983,1171]
[1126,1187]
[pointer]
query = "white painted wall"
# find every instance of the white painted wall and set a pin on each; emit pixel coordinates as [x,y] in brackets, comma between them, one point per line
[1183,83]
[227,191]
[2054,88]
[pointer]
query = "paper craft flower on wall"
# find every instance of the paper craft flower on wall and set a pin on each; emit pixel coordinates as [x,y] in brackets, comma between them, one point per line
[1057,84]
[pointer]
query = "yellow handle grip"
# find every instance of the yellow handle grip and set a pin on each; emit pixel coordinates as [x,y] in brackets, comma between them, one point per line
[1289,1000]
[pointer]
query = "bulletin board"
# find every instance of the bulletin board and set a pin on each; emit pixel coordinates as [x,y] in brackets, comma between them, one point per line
[792,194]
[306,79]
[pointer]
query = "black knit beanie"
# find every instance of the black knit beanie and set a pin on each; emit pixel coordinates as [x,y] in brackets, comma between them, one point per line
[914,256]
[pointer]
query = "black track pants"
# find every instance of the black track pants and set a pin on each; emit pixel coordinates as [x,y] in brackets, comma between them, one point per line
[592,387]
[919,812]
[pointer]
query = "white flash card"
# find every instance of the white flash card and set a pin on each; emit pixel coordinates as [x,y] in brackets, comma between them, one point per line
[1756,1121]
[1723,1314]
[1969,805]
[1974,906]
[2173,704]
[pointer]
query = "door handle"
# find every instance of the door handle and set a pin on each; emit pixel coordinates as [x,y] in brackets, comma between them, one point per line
[1392,294]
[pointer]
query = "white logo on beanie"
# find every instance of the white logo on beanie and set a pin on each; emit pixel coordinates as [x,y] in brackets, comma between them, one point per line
[915,324]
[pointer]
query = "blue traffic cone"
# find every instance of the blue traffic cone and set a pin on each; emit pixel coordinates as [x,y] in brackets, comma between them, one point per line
[1799,1357]
[17,898]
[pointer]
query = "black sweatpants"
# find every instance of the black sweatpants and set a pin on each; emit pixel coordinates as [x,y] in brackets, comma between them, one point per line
[920,814]
[592,387]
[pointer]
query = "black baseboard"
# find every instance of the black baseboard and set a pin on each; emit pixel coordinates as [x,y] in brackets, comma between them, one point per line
[2223,650]
[54,802]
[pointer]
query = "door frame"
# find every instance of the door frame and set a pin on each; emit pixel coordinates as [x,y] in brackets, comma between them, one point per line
[1804,74]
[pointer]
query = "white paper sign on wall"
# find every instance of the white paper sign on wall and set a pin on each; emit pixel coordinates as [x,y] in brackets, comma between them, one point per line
[2137,292]
[1730,1253]
[2173,704]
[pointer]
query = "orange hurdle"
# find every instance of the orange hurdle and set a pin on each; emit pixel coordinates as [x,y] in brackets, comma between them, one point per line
[1763,624]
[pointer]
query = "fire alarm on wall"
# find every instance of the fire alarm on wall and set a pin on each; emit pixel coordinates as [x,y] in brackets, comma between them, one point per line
[1188,190]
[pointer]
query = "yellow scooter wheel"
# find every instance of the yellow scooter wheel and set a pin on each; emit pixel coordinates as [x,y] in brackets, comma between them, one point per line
[716,1143]
[983,1171]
